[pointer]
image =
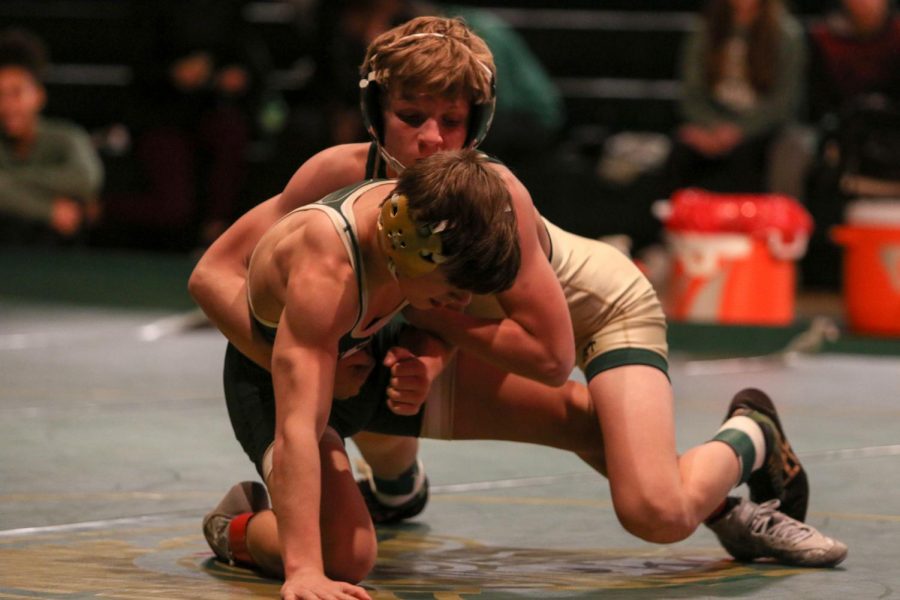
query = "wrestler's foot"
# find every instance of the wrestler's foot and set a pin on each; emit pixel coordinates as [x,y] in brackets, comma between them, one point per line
[750,531]
[782,476]
[391,508]
[245,498]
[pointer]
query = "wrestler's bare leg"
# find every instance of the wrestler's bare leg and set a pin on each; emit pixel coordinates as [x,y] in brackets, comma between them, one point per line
[349,546]
[491,404]
[658,496]
[387,455]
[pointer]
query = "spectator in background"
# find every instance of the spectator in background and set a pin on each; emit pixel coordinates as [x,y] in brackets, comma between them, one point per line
[196,97]
[50,174]
[346,27]
[855,51]
[529,114]
[742,72]
[855,109]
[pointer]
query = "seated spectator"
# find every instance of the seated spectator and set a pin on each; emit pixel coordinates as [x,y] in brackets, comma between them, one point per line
[855,51]
[196,97]
[855,106]
[50,174]
[742,72]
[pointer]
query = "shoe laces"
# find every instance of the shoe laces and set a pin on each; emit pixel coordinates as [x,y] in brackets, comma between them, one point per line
[768,520]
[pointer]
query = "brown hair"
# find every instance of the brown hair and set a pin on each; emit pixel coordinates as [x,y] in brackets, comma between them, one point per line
[480,243]
[762,46]
[433,55]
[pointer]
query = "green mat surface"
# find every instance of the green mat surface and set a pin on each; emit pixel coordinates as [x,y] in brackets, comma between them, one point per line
[97,278]
[746,340]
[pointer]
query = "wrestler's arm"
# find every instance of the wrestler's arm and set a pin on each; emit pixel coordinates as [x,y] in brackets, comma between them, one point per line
[303,370]
[217,282]
[535,339]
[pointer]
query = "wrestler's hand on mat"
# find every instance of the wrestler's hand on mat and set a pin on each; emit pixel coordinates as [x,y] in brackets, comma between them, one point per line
[409,382]
[318,587]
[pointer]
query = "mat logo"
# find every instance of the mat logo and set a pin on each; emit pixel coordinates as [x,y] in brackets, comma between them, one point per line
[412,566]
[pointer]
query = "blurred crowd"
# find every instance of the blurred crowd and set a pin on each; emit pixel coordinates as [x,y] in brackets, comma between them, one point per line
[769,102]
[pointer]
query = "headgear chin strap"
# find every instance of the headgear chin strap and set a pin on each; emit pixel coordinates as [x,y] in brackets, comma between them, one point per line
[412,250]
[372,87]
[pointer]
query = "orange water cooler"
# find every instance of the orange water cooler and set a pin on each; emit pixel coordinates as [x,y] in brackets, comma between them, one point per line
[734,257]
[871,289]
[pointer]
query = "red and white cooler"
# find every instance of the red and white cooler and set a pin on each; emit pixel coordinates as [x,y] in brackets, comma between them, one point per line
[734,256]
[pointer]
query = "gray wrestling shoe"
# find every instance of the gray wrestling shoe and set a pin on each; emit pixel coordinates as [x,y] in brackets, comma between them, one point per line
[750,531]
[244,497]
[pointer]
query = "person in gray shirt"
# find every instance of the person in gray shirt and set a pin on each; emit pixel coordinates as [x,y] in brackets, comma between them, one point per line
[50,174]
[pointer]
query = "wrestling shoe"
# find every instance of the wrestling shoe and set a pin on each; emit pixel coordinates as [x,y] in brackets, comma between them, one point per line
[243,498]
[782,476]
[387,508]
[750,531]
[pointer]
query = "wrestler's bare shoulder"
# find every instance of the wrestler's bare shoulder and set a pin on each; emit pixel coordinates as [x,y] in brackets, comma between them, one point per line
[329,170]
[344,162]
[302,240]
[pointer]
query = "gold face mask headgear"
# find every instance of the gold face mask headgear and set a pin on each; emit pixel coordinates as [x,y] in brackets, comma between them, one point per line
[412,250]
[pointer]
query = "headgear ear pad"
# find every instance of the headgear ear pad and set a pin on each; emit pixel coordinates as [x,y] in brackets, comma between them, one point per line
[481,116]
[370,105]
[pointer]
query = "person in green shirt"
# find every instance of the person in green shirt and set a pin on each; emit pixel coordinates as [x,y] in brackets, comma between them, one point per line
[50,174]
[742,74]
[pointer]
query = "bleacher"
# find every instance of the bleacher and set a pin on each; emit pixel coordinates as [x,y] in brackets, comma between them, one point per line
[614,61]
[590,53]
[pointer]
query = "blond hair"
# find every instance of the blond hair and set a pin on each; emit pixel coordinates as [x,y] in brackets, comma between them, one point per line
[436,56]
